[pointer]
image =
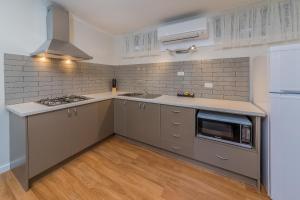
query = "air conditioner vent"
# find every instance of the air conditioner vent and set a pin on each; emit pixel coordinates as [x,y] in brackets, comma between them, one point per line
[182,31]
[184,34]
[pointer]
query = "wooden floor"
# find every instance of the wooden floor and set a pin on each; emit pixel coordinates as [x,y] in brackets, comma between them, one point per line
[116,169]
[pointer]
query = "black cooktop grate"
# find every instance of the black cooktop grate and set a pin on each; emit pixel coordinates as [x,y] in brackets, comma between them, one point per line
[62,100]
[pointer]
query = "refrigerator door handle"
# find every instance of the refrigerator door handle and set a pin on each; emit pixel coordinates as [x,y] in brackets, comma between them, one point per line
[290,91]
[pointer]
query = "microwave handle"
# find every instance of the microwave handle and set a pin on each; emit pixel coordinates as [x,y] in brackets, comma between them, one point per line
[241,133]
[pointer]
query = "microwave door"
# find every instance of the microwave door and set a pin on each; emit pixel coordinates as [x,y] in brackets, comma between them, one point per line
[226,128]
[218,130]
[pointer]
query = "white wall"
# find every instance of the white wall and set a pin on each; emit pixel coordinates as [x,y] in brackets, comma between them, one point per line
[260,88]
[260,78]
[4,139]
[94,42]
[23,30]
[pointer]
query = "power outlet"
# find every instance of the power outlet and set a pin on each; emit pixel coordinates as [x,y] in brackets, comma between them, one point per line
[180,73]
[208,85]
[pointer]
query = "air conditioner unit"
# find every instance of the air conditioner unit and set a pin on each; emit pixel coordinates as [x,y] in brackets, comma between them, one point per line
[196,29]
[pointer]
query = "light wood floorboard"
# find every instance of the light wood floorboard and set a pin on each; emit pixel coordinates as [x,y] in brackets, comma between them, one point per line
[118,170]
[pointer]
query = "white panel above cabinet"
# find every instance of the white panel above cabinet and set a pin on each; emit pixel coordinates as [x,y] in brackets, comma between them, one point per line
[140,44]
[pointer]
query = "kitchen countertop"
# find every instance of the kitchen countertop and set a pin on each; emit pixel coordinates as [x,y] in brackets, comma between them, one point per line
[234,107]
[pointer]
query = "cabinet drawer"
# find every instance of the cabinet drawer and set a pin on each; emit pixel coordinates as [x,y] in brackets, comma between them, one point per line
[178,147]
[228,157]
[178,114]
[184,132]
[178,124]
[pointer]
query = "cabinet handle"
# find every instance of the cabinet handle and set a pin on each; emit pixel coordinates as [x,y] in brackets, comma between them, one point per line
[124,102]
[176,135]
[75,111]
[140,105]
[222,158]
[175,147]
[176,111]
[144,106]
[177,123]
[69,113]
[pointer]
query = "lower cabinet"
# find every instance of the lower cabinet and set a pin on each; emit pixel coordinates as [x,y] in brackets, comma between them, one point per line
[84,127]
[120,117]
[239,160]
[143,122]
[52,137]
[135,124]
[49,140]
[105,117]
[92,123]
[168,127]
[178,129]
[174,129]
[55,136]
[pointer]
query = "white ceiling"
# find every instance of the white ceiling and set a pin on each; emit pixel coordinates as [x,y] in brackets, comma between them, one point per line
[120,16]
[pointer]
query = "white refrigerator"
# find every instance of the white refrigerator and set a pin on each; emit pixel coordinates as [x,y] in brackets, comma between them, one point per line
[284,122]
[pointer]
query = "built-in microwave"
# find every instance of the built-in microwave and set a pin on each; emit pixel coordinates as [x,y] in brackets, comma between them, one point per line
[227,128]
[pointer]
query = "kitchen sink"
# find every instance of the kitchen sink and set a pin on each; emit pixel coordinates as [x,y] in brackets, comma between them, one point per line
[131,94]
[141,95]
[150,96]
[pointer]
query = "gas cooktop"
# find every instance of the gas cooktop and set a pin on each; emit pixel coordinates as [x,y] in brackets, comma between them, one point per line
[62,100]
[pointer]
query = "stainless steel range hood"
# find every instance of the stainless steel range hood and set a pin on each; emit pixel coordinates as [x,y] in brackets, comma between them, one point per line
[58,37]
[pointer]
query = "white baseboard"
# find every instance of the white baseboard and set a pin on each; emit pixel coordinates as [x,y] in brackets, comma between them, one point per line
[13,164]
[4,168]
[18,162]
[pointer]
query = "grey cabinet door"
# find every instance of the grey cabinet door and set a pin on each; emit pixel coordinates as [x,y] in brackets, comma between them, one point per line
[91,123]
[105,119]
[120,117]
[143,122]
[55,136]
[135,121]
[151,124]
[84,127]
[49,140]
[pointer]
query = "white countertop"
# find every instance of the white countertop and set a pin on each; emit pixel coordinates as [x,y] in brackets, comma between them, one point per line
[234,107]
[33,108]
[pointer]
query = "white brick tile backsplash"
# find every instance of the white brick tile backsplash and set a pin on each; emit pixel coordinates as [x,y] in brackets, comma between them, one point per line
[230,78]
[29,79]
